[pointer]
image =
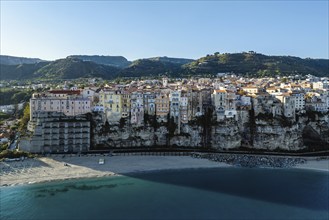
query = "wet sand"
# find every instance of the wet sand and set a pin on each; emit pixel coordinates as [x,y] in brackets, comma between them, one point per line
[57,167]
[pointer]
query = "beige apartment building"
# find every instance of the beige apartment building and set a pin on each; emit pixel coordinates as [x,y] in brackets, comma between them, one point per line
[69,102]
[111,100]
[162,105]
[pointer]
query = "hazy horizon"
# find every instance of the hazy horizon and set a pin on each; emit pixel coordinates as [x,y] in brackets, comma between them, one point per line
[141,29]
[179,57]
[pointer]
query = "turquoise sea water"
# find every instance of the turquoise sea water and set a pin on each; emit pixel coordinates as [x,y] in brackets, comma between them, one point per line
[221,193]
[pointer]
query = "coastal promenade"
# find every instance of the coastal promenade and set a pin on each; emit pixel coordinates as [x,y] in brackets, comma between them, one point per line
[61,167]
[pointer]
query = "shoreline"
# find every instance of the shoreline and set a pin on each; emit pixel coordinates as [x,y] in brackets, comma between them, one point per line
[49,169]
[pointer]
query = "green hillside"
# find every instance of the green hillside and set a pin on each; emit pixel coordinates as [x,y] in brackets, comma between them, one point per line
[259,65]
[22,71]
[71,68]
[246,64]
[116,61]
[149,67]
[179,61]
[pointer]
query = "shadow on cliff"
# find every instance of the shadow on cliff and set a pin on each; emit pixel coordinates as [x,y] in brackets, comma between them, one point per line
[313,140]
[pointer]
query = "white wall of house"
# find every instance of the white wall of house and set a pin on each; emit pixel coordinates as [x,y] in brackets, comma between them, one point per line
[70,106]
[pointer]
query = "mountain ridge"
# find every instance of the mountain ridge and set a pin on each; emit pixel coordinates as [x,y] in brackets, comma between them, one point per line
[116,61]
[246,64]
[12,60]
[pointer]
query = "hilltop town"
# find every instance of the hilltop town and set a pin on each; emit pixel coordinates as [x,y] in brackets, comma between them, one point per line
[224,112]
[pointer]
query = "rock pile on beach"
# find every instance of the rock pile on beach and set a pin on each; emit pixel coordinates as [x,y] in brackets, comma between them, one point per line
[252,160]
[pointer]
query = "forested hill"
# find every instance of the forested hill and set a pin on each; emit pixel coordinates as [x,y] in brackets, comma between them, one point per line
[68,68]
[255,64]
[245,64]
[154,67]
[116,61]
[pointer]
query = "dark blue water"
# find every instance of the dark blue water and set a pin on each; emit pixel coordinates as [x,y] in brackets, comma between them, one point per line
[224,193]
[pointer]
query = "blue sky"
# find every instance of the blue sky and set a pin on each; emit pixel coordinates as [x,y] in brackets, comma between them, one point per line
[140,29]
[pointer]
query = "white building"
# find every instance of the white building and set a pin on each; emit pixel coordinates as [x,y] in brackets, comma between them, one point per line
[288,104]
[299,100]
[225,104]
[320,85]
[71,103]
[137,108]
[184,108]
[175,100]
[149,103]
[89,93]
[251,89]
[165,82]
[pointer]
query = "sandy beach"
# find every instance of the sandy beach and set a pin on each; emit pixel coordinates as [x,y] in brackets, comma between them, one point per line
[58,167]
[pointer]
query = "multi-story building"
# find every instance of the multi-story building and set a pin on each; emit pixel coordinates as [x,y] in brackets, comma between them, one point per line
[288,104]
[219,100]
[55,132]
[125,104]
[299,100]
[112,103]
[316,103]
[194,108]
[320,85]
[251,89]
[165,82]
[90,93]
[224,103]
[175,101]
[162,105]
[184,107]
[137,108]
[206,101]
[149,103]
[71,103]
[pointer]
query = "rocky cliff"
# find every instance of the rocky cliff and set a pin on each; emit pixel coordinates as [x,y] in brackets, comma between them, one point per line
[302,133]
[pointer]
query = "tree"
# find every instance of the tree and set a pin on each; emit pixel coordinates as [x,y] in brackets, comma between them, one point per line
[25,119]
[146,118]
[106,127]
[122,122]
[171,127]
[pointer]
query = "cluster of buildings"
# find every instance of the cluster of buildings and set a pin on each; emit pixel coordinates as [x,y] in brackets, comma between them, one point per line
[186,99]
[181,99]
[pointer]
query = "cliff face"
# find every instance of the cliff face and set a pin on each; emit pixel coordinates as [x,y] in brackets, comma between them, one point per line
[271,137]
[266,134]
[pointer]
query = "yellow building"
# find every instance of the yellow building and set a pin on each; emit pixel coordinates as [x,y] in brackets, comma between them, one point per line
[125,104]
[162,105]
[112,102]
